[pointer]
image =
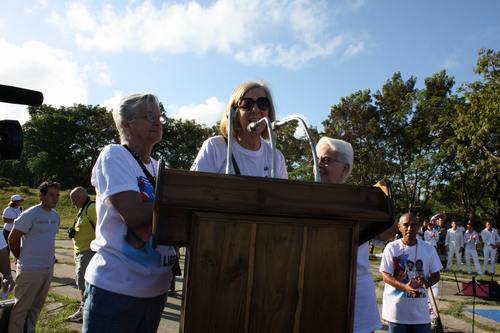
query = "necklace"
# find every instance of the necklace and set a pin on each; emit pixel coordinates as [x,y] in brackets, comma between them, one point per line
[406,248]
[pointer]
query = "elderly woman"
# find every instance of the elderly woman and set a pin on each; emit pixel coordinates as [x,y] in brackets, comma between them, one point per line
[252,154]
[335,166]
[10,213]
[127,279]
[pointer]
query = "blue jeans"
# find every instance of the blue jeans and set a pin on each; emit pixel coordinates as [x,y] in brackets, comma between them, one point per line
[105,311]
[409,328]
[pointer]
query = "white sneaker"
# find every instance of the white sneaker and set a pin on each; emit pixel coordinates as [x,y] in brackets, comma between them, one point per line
[76,317]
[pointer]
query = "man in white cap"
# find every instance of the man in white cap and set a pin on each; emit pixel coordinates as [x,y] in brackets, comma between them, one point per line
[13,210]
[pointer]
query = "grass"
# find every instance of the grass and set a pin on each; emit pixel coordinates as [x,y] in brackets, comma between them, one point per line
[456,309]
[54,313]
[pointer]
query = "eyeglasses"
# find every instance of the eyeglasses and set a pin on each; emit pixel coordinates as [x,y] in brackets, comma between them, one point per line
[151,118]
[326,160]
[248,103]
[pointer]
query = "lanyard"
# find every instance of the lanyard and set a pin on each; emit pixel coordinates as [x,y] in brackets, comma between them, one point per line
[151,178]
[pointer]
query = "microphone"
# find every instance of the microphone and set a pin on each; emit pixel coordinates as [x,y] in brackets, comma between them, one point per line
[252,127]
[15,95]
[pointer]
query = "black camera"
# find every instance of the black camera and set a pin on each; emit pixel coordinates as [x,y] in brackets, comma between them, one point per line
[71,232]
[11,133]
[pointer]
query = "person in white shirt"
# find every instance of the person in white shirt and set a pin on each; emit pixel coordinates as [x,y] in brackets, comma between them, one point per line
[127,279]
[431,235]
[336,159]
[408,267]
[454,243]
[491,241]
[10,213]
[7,280]
[251,153]
[471,239]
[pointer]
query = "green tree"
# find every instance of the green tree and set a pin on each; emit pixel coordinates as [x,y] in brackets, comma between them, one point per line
[356,120]
[475,144]
[64,143]
[181,141]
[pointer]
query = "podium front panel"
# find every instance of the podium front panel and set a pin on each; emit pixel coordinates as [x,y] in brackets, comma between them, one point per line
[248,273]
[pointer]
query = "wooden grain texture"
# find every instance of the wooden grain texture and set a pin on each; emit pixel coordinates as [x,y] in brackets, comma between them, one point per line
[218,267]
[260,274]
[275,294]
[188,191]
[329,279]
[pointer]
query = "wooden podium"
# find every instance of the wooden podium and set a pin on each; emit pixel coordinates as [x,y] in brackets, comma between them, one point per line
[266,255]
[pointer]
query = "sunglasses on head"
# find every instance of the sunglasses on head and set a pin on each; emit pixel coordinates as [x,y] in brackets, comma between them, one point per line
[248,103]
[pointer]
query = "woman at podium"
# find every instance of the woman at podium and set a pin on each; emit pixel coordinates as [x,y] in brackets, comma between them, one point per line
[335,165]
[251,153]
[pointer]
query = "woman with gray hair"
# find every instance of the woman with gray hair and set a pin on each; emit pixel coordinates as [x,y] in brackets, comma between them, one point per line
[252,154]
[127,279]
[336,158]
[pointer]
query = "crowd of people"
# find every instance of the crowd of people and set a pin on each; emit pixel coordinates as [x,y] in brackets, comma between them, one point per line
[123,279]
[456,242]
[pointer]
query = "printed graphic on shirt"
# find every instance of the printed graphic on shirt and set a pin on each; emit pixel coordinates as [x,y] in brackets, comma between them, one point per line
[405,271]
[146,189]
[137,246]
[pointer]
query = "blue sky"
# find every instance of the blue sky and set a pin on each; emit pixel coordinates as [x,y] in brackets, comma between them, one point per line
[193,54]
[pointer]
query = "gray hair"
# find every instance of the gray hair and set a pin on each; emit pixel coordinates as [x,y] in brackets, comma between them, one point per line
[405,216]
[79,189]
[343,148]
[129,107]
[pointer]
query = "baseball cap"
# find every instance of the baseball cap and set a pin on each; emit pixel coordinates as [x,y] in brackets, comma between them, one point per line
[16,197]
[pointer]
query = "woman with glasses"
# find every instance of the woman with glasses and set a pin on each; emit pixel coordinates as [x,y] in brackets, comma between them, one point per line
[336,160]
[127,278]
[252,154]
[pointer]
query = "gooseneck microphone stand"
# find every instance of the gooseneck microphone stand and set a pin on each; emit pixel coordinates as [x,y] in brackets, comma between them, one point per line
[272,140]
[277,124]
[229,161]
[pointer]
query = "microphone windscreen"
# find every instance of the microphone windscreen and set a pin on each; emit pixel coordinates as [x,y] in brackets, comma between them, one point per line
[15,95]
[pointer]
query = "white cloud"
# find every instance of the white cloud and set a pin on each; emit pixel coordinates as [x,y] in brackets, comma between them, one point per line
[207,113]
[34,65]
[99,72]
[299,133]
[354,48]
[113,101]
[266,32]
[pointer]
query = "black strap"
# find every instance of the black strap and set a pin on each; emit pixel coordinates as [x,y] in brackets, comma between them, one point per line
[90,202]
[85,208]
[235,165]
[151,178]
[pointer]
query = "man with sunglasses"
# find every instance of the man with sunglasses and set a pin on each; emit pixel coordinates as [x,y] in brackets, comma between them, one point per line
[252,154]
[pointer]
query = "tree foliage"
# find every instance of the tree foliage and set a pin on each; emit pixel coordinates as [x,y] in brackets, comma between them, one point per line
[438,144]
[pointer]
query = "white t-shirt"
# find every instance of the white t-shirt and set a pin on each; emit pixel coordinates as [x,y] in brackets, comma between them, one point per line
[490,237]
[212,158]
[366,317]
[3,243]
[431,237]
[40,228]
[405,263]
[117,266]
[10,213]
[454,238]
[471,239]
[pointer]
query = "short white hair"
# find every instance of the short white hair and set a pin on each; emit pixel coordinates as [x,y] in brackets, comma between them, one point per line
[343,148]
[129,107]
